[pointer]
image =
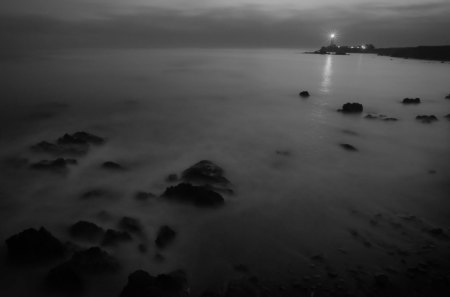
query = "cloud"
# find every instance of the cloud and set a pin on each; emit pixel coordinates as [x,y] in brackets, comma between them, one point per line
[247,26]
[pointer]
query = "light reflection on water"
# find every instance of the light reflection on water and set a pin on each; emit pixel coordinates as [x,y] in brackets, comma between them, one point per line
[326,74]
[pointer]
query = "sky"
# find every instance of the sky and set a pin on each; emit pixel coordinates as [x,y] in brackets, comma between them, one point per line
[41,24]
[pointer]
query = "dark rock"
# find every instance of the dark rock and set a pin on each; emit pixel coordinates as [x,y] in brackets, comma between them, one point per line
[143,195]
[205,171]
[304,94]
[348,147]
[80,138]
[448,116]
[113,237]
[142,284]
[112,166]
[351,108]
[59,164]
[93,260]
[64,280]
[198,195]
[381,280]
[426,118]
[390,119]
[447,97]
[172,177]
[165,236]
[86,230]
[372,116]
[411,101]
[130,225]
[33,245]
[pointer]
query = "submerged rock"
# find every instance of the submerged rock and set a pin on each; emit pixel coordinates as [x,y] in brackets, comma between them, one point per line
[109,165]
[142,284]
[411,101]
[113,237]
[426,118]
[351,108]
[165,236]
[348,147]
[173,177]
[198,195]
[86,230]
[206,172]
[130,224]
[33,245]
[59,164]
[374,116]
[304,94]
[143,195]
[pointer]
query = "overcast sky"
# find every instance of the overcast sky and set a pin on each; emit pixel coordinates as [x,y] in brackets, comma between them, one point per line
[35,24]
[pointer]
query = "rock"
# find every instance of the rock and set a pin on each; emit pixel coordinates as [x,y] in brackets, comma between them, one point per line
[390,119]
[348,147]
[205,172]
[143,195]
[80,138]
[112,166]
[64,280]
[59,164]
[86,230]
[411,101]
[198,195]
[351,108]
[95,193]
[113,237]
[426,118]
[33,245]
[304,94]
[381,280]
[93,260]
[448,116]
[142,284]
[172,177]
[130,224]
[374,116]
[447,97]
[165,236]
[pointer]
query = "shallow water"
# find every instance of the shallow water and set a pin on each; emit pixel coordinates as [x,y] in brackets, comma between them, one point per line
[164,110]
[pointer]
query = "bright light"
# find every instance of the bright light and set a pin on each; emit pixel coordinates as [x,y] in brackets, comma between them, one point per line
[363,47]
[333,35]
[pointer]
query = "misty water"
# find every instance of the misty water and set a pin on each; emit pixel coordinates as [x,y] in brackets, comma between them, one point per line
[298,193]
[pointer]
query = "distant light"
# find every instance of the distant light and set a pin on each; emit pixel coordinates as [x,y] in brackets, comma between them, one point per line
[363,47]
[351,47]
[333,35]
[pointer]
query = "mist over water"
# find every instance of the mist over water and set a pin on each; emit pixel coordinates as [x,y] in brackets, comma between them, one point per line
[163,110]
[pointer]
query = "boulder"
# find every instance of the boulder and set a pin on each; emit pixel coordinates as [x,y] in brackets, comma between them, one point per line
[93,260]
[205,172]
[113,237]
[130,224]
[109,165]
[304,94]
[80,138]
[348,147]
[64,280]
[411,101]
[197,195]
[142,284]
[33,245]
[165,236]
[426,118]
[351,108]
[59,164]
[86,230]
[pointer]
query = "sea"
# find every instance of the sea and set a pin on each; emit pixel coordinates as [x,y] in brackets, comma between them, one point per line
[303,208]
